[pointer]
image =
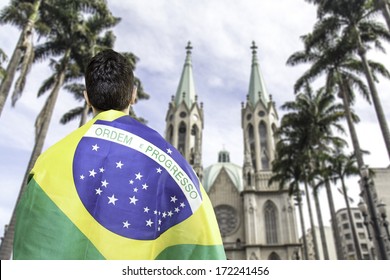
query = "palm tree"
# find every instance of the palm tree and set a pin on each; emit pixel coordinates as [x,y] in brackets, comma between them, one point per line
[287,171]
[384,6]
[353,21]
[3,58]
[344,166]
[23,14]
[322,177]
[330,57]
[379,5]
[311,125]
[66,40]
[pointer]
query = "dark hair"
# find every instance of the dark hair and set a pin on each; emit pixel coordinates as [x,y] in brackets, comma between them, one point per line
[109,81]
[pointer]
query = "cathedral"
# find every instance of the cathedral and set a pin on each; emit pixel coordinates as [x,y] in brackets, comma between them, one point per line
[257,220]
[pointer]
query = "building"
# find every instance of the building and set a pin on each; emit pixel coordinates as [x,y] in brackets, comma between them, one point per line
[382,187]
[330,244]
[257,220]
[346,233]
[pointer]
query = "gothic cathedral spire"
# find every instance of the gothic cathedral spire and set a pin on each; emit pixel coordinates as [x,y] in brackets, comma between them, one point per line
[257,90]
[259,122]
[268,210]
[184,119]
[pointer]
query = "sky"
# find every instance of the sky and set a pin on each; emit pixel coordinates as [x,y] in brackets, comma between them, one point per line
[221,33]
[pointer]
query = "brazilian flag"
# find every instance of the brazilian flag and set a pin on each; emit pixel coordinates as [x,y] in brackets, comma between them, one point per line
[115,189]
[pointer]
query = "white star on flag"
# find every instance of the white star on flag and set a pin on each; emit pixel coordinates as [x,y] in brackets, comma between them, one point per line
[112,199]
[149,223]
[101,169]
[92,173]
[146,209]
[169,151]
[159,170]
[95,147]
[133,200]
[104,183]
[98,191]
[145,186]
[138,176]
[119,164]
[126,224]
[173,199]
[82,177]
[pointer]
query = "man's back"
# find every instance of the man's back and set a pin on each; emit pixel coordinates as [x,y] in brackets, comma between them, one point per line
[115,189]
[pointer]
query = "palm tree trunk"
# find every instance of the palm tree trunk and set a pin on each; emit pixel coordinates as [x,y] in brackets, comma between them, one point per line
[84,114]
[385,11]
[313,231]
[332,210]
[25,35]
[321,224]
[374,95]
[303,228]
[351,221]
[41,131]
[351,126]
[10,72]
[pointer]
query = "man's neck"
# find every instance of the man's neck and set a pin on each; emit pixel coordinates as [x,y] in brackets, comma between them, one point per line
[96,111]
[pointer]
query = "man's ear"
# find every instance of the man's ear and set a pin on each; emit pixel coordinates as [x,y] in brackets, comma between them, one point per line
[86,98]
[134,93]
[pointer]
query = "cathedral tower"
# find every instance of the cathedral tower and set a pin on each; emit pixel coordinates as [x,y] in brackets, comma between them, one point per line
[184,119]
[259,122]
[270,224]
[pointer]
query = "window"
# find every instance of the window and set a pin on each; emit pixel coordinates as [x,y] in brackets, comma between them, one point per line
[362,235]
[182,138]
[359,225]
[264,146]
[364,246]
[357,215]
[227,219]
[274,256]
[345,226]
[170,134]
[194,144]
[251,138]
[343,217]
[270,213]
[348,236]
[350,248]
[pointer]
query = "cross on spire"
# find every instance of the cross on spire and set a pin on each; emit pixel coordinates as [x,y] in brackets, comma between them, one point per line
[253,47]
[189,47]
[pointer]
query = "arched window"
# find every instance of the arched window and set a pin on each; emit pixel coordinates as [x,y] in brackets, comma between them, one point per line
[194,143]
[251,139]
[182,138]
[264,146]
[170,134]
[273,256]
[271,222]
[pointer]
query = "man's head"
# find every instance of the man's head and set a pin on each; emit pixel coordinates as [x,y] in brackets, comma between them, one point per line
[109,81]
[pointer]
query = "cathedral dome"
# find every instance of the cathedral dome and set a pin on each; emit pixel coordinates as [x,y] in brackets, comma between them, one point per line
[233,170]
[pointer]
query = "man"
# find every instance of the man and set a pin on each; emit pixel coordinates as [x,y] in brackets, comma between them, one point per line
[114,188]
